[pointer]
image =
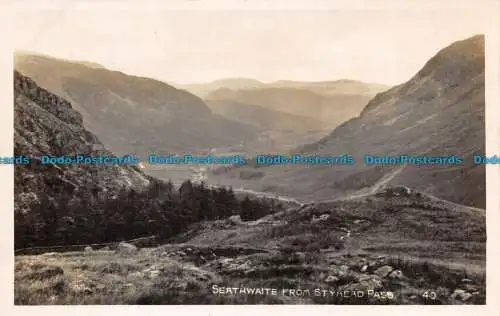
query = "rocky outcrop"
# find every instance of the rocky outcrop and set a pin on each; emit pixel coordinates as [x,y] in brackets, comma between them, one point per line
[45,124]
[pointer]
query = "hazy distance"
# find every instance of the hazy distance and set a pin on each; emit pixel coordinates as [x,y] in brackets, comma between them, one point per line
[384,47]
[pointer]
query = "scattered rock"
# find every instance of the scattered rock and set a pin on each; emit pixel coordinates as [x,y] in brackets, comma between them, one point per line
[461,295]
[88,249]
[365,277]
[153,274]
[383,271]
[100,287]
[339,271]
[137,275]
[466,281]
[82,285]
[235,220]
[366,283]
[396,274]
[105,248]
[124,247]
[470,287]
[324,217]
[395,191]
[331,279]
[364,268]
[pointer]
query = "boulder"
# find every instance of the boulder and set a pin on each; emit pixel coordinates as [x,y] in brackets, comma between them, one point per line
[88,249]
[332,279]
[124,247]
[370,282]
[153,274]
[461,295]
[383,271]
[339,271]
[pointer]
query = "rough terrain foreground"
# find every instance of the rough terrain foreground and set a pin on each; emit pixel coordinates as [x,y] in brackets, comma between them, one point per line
[397,246]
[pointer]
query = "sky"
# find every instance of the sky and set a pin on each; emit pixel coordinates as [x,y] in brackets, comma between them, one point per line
[194,46]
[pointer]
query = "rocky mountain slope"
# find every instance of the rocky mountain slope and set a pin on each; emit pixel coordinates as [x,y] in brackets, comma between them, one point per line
[133,114]
[438,112]
[45,124]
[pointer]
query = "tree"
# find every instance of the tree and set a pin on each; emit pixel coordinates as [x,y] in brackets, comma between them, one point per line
[246,209]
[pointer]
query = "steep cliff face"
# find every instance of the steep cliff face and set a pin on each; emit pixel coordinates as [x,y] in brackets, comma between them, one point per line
[45,124]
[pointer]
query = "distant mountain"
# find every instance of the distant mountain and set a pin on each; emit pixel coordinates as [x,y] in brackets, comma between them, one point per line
[45,124]
[440,112]
[202,89]
[280,130]
[332,109]
[264,118]
[342,86]
[133,114]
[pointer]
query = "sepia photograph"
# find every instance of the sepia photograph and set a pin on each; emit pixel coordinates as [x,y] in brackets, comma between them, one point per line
[249,157]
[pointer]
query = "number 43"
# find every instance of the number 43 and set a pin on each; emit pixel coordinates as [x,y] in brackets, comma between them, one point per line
[429,295]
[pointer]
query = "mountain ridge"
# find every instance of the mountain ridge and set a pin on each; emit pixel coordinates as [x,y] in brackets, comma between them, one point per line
[107,99]
[439,111]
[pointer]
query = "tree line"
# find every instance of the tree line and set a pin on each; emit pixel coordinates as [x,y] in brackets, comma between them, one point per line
[88,216]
